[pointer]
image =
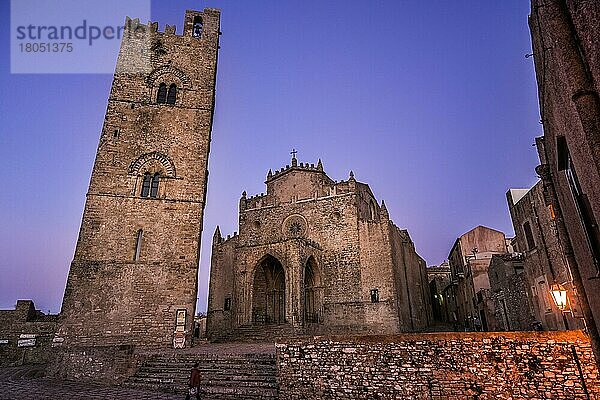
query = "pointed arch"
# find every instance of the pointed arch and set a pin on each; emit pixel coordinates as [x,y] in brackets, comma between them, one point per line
[268,292]
[313,291]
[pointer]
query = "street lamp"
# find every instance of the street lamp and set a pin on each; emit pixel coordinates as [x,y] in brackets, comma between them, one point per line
[559,295]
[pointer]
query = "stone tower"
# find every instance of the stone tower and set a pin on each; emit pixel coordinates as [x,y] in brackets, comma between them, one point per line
[133,279]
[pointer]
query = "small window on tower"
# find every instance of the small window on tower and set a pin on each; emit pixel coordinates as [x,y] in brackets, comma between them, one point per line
[198,25]
[374,295]
[146,185]
[227,305]
[161,95]
[172,95]
[138,245]
[154,185]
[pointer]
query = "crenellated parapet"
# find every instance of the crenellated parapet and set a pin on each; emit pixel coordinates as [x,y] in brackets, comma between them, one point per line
[295,166]
[193,20]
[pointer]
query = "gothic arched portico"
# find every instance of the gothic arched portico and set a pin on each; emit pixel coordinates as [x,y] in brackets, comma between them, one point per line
[268,292]
[313,292]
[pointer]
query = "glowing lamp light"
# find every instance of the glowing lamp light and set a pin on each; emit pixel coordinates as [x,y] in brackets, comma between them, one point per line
[559,295]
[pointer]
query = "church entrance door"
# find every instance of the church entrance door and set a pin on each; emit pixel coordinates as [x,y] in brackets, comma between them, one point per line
[268,292]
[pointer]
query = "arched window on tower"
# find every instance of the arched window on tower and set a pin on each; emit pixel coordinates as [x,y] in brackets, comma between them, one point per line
[172,95]
[150,185]
[154,186]
[198,25]
[146,185]
[161,95]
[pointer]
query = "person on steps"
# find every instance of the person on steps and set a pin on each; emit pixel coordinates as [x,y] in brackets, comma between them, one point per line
[194,387]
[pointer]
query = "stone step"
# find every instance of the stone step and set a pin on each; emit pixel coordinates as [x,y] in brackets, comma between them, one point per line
[223,376]
[232,392]
[231,375]
[207,383]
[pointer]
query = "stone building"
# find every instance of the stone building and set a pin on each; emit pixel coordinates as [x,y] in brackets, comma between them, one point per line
[508,285]
[469,300]
[439,279]
[543,257]
[133,279]
[313,256]
[566,43]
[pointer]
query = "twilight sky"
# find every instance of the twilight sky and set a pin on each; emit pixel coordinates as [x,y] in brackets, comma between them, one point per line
[430,102]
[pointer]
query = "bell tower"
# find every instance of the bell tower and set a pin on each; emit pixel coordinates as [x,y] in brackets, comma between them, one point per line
[133,278]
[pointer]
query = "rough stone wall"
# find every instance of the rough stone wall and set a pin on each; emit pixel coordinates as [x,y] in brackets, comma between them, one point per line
[341,230]
[112,298]
[566,47]
[508,280]
[99,364]
[25,320]
[439,366]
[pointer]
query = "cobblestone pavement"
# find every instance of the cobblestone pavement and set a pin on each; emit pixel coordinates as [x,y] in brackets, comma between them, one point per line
[20,383]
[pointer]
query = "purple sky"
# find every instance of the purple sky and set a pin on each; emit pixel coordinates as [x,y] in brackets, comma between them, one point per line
[431,103]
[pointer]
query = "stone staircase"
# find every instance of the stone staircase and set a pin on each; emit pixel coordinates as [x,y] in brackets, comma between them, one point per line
[224,376]
[258,333]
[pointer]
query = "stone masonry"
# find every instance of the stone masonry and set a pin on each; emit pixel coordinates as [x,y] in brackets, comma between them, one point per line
[443,366]
[317,256]
[133,279]
[508,285]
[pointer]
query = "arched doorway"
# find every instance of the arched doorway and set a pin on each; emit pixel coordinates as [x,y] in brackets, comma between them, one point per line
[268,292]
[313,292]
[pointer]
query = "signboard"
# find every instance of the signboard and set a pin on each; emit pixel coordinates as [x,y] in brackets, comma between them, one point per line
[27,336]
[180,321]
[3,341]
[26,340]
[26,343]
[179,340]
[181,317]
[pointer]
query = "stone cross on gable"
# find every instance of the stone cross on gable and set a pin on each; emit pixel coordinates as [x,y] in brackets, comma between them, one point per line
[293,153]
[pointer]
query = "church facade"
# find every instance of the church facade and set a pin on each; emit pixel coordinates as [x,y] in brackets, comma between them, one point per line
[315,256]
